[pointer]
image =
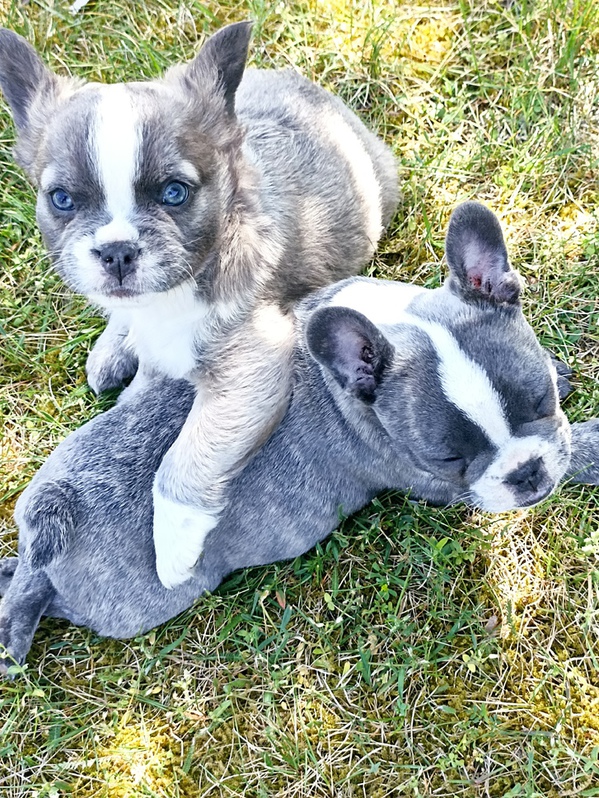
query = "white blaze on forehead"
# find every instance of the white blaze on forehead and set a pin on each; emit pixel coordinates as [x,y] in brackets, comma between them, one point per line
[381,302]
[119,229]
[347,141]
[465,384]
[116,146]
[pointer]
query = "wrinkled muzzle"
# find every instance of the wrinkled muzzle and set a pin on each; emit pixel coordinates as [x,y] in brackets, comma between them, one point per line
[524,471]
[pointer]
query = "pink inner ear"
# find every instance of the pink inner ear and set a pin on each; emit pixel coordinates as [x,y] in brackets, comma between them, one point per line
[475,280]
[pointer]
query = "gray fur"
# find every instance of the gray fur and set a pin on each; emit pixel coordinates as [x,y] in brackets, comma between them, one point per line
[262,153]
[286,191]
[369,411]
[492,280]
[584,463]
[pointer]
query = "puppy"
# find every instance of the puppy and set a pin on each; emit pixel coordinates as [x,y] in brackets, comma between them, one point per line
[195,210]
[444,393]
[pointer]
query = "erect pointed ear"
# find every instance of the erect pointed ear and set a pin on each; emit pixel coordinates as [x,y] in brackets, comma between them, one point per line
[350,346]
[23,76]
[477,256]
[225,54]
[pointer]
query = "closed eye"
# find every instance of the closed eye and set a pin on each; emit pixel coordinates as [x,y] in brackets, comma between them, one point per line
[452,464]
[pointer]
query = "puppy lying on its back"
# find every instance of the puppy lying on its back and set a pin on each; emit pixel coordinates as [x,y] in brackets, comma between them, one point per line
[444,393]
[196,209]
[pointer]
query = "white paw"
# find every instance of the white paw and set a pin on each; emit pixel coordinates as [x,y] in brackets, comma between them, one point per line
[97,365]
[179,534]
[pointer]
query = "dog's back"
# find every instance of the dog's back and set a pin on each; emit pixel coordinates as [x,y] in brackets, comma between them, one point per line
[328,182]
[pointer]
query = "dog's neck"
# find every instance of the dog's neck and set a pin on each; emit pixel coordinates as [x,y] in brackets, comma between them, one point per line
[248,249]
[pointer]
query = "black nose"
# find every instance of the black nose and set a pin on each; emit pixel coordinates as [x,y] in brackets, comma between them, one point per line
[119,258]
[527,477]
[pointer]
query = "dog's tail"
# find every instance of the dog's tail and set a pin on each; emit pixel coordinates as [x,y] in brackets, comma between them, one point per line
[47,516]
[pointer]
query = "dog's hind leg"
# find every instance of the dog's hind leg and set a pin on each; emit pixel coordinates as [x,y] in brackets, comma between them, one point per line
[112,361]
[47,515]
[238,405]
[25,601]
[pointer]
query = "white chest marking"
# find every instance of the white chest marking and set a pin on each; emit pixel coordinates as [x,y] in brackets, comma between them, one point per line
[167,329]
[116,146]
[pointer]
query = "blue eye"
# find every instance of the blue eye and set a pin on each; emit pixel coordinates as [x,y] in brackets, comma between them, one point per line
[62,200]
[175,193]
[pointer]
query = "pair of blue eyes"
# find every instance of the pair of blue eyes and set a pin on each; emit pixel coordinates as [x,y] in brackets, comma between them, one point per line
[173,194]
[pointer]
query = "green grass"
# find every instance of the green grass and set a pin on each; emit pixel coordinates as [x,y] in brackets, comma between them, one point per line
[418,652]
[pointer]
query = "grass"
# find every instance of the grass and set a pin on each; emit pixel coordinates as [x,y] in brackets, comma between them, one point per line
[417,652]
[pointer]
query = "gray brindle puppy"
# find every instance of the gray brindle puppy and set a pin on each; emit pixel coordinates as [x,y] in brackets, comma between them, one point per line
[444,393]
[195,210]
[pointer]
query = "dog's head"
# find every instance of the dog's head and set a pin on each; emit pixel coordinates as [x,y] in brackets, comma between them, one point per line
[455,377]
[132,178]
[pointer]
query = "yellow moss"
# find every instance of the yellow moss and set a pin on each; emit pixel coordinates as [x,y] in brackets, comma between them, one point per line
[137,756]
[428,40]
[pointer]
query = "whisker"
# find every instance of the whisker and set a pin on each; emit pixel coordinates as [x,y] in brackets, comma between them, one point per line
[462,498]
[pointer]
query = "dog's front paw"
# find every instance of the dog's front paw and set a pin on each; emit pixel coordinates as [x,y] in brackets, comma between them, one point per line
[179,534]
[110,363]
[564,372]
[8,656]
[584,460]
[8,566]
